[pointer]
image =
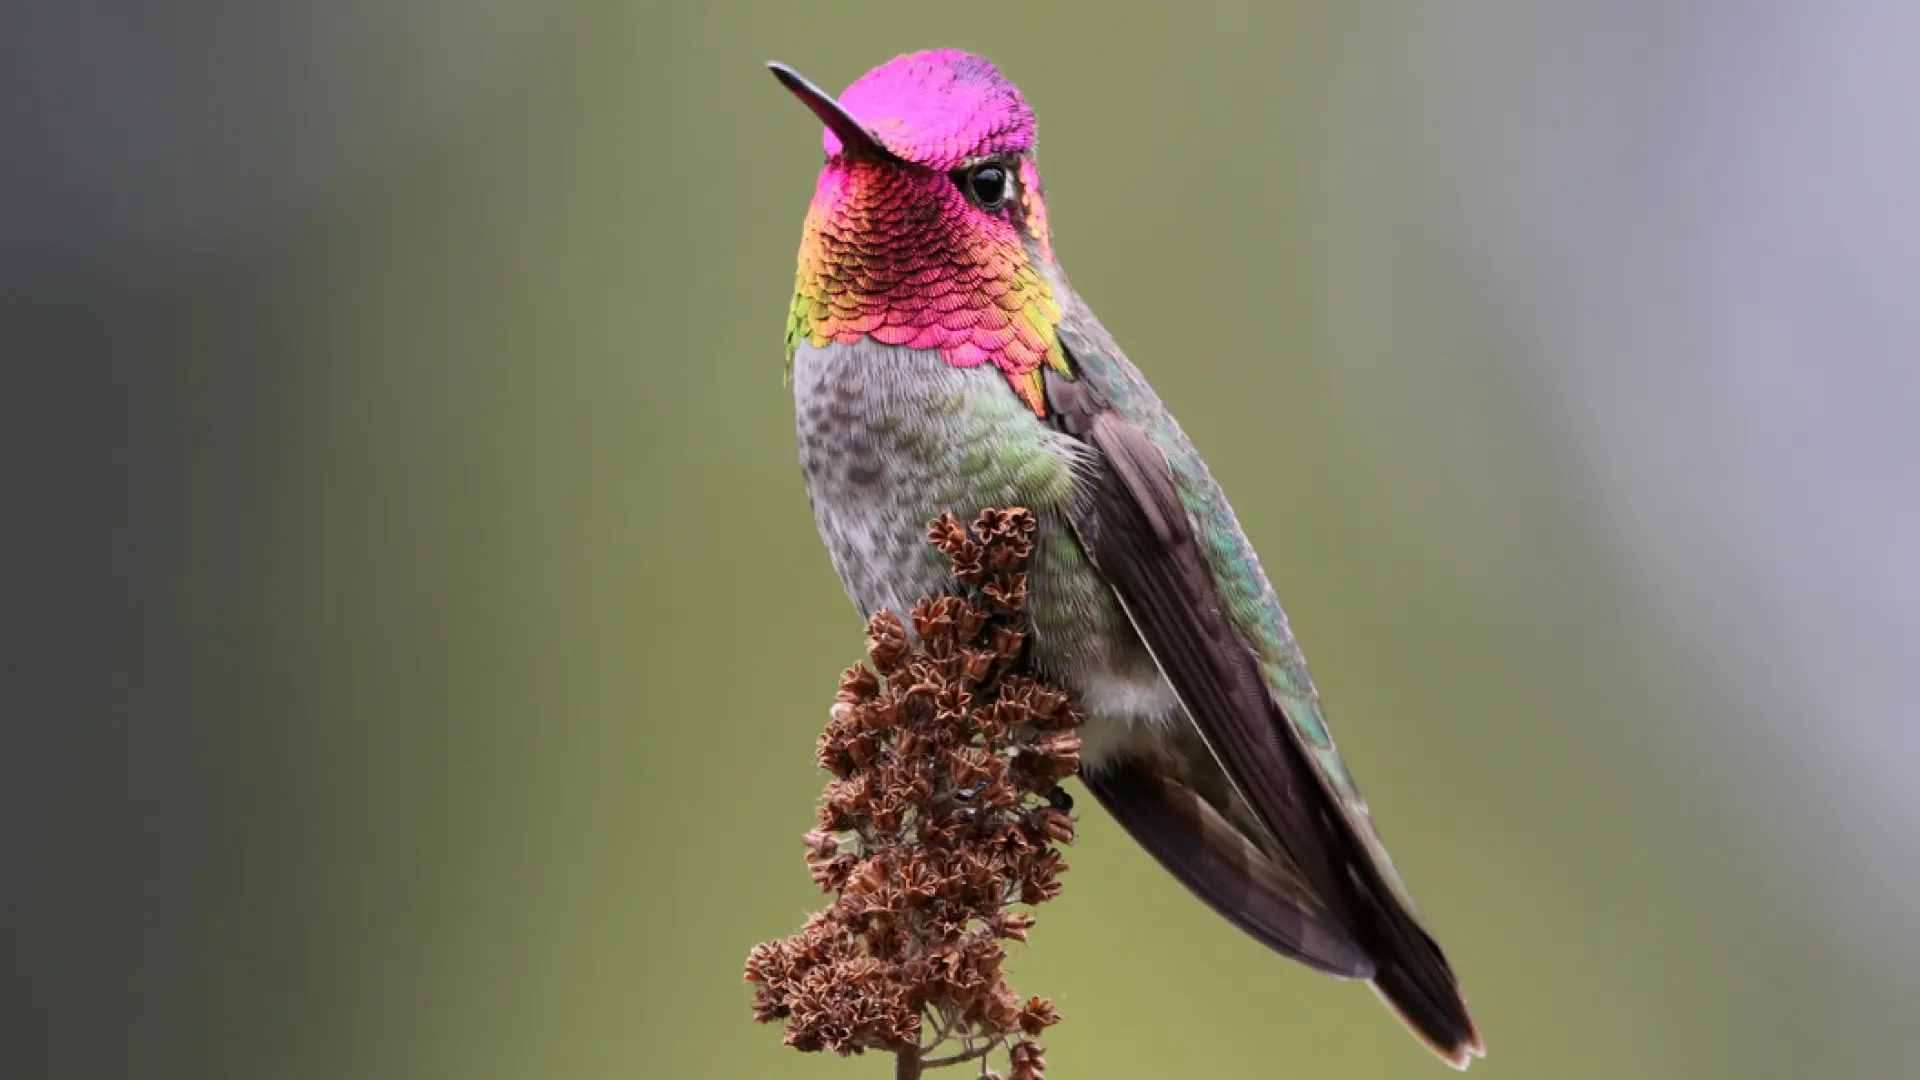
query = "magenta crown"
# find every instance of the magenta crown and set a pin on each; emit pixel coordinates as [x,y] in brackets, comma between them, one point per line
[940,109]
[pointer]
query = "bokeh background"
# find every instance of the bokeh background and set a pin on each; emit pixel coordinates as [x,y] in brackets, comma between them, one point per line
[415,632]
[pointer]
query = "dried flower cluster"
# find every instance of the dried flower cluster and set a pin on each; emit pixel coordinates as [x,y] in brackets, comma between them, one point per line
[943,811]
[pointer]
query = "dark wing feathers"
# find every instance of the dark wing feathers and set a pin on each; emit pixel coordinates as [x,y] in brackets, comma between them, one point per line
[1137,533]
[1213,860]
[1149,556]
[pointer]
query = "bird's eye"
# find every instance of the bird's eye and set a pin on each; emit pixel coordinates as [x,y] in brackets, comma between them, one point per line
[988,184]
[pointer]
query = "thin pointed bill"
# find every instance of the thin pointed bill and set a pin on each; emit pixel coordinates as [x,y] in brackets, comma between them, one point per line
[854,138]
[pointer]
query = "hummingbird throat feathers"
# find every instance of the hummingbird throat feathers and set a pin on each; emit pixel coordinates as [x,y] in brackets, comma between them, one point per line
[899,254]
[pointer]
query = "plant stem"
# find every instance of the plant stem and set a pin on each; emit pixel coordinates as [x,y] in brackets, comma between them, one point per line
[906,1064]
[972,1053]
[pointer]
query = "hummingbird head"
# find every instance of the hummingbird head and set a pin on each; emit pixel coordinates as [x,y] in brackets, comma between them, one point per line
[928,228]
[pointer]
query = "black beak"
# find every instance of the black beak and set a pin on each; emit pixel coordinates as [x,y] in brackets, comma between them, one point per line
[854,139]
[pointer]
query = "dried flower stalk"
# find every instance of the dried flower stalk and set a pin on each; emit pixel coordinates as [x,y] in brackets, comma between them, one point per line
[942,816]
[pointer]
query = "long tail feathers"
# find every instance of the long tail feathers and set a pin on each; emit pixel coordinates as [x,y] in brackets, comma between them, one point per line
[1217,863]
[1382,943]
[1412,977]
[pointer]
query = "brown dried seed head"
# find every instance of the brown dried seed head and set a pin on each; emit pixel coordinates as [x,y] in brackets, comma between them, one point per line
[1044,702]
[997,524]
[870,879]
[953,702]
[851,797]
[969,563]
[1007,642]
[821,844]
[946,533]
[1055,825]
[932,619]
[858,685]
[970,622]
[1007,593]
[974,766]
[1037,1015]
[1041,882]
[765,962]
[942,756]
[907,744]
[1012,925]
[1026,1062]
[977,663]
[987,722]
[1060,745]
[831,755]
[886,641]
[830,875]
[998,793]
[1004,561]
[918,882]
[1013,843]
[1000,1010]
[1005,713]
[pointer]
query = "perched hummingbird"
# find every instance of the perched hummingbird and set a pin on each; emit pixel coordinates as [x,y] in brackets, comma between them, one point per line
[940,361]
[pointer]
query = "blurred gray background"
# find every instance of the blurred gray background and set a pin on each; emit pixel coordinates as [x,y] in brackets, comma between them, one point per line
[416,634]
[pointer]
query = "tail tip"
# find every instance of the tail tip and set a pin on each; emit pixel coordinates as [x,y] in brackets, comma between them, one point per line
[1462,1055]
[1455,1040]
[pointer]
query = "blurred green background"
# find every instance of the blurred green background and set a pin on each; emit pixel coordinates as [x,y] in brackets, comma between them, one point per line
[420,632]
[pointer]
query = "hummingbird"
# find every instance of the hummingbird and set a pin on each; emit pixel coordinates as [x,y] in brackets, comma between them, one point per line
[940,361]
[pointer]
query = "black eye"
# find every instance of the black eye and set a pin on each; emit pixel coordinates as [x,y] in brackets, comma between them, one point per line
[988,183]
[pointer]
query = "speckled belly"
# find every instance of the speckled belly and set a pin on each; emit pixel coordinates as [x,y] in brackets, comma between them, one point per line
[890,437]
